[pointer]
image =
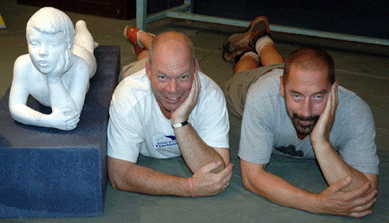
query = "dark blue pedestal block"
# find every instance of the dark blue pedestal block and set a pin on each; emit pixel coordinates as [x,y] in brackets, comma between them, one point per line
[47,172]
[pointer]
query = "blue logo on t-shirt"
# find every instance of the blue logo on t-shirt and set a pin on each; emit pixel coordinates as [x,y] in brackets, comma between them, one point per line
[162,141]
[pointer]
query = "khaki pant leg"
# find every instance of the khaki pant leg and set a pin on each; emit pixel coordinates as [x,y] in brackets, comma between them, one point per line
[132,68]
[235,90]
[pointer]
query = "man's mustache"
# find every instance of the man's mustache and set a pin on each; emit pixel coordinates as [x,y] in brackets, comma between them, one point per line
[303,118]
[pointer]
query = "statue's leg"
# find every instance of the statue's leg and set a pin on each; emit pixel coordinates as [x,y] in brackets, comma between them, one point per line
[84,46]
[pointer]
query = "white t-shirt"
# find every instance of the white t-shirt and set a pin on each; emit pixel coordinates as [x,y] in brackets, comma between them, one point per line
[137,124]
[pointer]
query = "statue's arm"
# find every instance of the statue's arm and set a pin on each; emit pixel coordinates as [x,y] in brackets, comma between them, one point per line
[72,97]
[79,84]
[19,94]
[18,101]
[60,96]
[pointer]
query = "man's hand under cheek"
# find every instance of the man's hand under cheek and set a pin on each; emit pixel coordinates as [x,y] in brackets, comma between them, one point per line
[182,113]
[321,132]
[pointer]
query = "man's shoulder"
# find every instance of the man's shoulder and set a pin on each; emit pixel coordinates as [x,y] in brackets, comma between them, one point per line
[353,115]
[351,104]
[267,85]
[210,88]
[132,89]
[136,82]
[270,78]
[207,81]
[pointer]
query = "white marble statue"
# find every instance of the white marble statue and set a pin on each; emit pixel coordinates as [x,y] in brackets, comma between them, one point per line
[56,71]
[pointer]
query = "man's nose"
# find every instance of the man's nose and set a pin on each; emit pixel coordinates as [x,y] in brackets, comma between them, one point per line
[173,86]
[306,108]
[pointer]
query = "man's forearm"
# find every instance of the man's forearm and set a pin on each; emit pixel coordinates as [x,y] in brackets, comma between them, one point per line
[356,203]
[195,151]
[279,191]
[334,168]
[144,180]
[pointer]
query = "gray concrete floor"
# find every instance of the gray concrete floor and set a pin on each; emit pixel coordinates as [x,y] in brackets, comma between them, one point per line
[361,68]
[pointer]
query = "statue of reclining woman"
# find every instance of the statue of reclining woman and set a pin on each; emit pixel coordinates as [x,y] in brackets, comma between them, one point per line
[56,71]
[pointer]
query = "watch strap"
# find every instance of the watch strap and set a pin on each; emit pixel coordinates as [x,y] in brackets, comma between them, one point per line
[178,125]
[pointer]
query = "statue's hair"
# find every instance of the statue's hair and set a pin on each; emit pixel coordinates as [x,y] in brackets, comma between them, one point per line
[310,58]
[51,20]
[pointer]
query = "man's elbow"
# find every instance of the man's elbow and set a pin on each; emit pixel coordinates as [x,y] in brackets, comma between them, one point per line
[250,185]
[118,174]
[246,182]
[120,183]
[373,179]
[222,166]
[225,160]
[216,171]
[114,175]
[115,181]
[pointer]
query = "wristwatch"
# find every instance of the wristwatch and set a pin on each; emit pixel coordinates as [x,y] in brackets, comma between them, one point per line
[178,125]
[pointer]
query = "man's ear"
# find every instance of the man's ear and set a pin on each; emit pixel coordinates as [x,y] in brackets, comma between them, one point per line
[148,69]
[282,90]
[196,65]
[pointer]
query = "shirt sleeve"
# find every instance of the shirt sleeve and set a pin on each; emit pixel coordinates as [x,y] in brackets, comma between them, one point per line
[256,142]
[214,126]
[357,139]
[124,133]
[210,118]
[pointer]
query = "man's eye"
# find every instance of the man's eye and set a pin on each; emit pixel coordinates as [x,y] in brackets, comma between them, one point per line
[162,77]
[296,96]
[184,77]
[318,97]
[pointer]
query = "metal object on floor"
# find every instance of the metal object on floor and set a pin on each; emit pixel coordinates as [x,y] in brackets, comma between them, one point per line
[185,10]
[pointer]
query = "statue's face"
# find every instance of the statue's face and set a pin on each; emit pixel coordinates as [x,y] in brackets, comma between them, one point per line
[47,51]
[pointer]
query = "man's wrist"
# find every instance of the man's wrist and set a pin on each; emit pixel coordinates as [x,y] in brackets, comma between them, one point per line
[191,187]
[180,124]
[320,144]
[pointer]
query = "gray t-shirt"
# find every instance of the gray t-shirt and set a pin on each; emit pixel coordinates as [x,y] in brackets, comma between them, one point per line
[267,129]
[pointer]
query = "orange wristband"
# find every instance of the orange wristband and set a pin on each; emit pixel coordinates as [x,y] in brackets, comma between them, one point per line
[191,187]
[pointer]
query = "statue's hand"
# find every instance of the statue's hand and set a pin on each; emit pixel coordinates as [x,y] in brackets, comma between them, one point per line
[64,119]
